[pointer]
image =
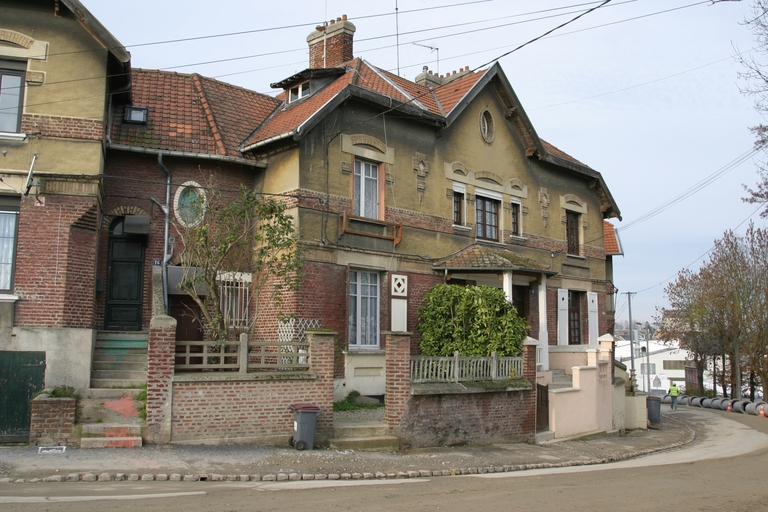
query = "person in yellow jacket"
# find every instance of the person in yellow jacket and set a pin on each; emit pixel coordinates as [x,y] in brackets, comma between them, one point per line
[673,393]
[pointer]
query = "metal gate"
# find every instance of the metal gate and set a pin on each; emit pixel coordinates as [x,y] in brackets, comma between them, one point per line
[22,374]
[542,408]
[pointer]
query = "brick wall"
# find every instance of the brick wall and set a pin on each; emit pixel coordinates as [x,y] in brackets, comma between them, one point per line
[452,418]
[55,262]
[255,410]
[52,422]
[62,127]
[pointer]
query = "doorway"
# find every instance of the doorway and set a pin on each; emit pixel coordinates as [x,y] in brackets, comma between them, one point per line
[125,279]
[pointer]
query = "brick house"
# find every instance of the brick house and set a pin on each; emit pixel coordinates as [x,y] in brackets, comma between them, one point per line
[395,186]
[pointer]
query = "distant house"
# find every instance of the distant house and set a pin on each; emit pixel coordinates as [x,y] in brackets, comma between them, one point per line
[395,185]
[656,362]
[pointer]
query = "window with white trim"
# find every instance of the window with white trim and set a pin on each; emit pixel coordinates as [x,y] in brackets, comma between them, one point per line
[298,91]
[9,223]
[487,217]
[366,189]
[363,309]
[189,204]
[11,95]
[459,202]
[515,226]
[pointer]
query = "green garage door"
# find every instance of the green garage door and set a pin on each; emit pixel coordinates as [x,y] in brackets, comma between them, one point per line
[22,374]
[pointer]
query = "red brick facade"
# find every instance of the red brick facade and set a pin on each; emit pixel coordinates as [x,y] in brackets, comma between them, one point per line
[62,127]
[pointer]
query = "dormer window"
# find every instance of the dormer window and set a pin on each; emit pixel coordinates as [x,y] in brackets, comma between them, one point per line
[136,115]
[298,92]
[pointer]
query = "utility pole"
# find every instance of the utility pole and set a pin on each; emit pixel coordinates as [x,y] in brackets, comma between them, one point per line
[633,385]
[648,359]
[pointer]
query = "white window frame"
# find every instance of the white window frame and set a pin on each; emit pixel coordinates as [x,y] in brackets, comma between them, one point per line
[361,187]
[460,188]
[492,196]
[301,91]
[359,335]
[516,205]
[8,249]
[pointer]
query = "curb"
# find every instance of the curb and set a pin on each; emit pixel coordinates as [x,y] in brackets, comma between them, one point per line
[378,475]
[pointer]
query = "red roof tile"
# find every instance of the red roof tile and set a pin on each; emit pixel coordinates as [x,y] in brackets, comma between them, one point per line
[561,154]
[451,93]
[611,240]
[190,113]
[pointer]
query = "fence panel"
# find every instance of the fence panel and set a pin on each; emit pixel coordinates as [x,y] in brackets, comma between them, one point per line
[464,369]
[207,355]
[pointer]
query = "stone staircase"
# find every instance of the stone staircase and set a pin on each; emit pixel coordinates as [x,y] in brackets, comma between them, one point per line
[104,435]
[119,361]
[362,435]
[111,422]
[561,380]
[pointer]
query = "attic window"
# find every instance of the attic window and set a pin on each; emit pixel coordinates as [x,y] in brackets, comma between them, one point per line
[487,129]
[136,115]
[298,92]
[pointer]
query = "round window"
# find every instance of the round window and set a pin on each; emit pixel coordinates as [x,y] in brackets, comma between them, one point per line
[189,203]
[486,126]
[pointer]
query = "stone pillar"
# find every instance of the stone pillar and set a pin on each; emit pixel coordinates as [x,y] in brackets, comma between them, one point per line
[161,348]
[398,379]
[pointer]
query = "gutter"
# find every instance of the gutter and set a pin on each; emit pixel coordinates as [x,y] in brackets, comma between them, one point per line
[166,210]
[270,140]
[187,154]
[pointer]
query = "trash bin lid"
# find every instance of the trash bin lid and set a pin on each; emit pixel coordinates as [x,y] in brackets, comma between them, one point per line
[304,407]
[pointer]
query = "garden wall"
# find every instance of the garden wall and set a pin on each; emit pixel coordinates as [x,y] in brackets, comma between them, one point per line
[53,422]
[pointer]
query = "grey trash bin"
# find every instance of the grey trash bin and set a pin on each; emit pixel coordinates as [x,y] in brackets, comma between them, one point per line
[653,403]
[304,422]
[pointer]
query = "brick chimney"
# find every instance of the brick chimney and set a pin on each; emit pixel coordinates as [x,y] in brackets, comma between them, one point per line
[330,45]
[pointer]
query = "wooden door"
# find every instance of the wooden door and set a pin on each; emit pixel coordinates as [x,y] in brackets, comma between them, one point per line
[125,281]
[22,374]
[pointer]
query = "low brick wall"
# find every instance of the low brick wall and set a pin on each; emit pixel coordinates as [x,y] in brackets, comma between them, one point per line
[253,407]
[462,418]
[53,422]
[455,414]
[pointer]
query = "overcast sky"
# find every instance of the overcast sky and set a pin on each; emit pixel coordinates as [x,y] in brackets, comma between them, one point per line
[644,91]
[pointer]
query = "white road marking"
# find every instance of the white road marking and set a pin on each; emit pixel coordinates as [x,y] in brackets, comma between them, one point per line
[50,499]
[320,484]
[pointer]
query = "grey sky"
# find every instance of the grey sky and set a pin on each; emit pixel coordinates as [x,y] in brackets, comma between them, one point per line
[649,98]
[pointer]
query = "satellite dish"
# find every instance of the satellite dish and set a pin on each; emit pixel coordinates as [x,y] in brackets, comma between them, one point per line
[28,184]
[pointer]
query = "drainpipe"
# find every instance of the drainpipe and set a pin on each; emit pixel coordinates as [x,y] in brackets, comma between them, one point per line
[166,210]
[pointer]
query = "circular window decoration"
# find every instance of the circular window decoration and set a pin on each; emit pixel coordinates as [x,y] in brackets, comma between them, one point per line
[487,129]
[189,203]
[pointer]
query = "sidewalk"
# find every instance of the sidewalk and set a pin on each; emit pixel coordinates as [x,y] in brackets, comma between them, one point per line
[253,463]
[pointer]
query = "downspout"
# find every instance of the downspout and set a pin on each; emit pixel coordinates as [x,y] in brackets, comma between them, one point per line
[166,210]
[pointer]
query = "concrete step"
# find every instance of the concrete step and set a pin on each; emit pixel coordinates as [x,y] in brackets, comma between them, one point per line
[121,346]
[122,385]
[107,357]
[110,442]
[131,366]
[111,430]
[122,335]
[543,437]
[112,393]
[376,443]
[359,429]
[119,374]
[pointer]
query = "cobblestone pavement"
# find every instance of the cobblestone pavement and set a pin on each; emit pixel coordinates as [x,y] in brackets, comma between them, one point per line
[253,463]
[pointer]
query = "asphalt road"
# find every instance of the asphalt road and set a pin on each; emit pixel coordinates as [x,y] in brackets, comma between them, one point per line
[724,470]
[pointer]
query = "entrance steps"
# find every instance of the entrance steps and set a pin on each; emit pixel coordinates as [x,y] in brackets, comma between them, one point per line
[119,361]
[111,422]
[363,435]
[103,435]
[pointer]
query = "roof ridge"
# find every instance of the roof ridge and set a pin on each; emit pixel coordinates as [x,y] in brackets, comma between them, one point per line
[209,114]
[410,99]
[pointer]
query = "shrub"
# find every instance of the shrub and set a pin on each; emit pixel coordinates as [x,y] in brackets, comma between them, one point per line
[475,320]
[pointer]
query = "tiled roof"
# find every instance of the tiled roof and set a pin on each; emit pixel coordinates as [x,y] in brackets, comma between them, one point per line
[490,258]
[438,101]
[191,114]
[560,154]
[611,240]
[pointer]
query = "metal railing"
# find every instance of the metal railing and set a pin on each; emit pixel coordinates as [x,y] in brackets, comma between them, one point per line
[464,369]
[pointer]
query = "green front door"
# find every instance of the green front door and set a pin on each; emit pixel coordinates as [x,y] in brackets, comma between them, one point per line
[22,374]
[125,280]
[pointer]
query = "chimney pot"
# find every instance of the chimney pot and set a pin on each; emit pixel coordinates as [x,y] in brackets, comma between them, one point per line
[338,19]
[333,21]
[344,17]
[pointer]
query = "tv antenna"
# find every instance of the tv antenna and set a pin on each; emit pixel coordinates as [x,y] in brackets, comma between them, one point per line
[434,49]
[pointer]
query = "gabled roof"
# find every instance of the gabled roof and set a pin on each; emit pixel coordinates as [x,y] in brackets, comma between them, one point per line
[611,240]
[482,258]
[190,115]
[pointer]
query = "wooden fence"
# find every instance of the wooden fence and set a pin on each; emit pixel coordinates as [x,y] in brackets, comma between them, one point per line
[241,356]
[464,369]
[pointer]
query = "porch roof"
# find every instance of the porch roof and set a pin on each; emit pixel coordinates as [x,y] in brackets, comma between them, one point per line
[483,258]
